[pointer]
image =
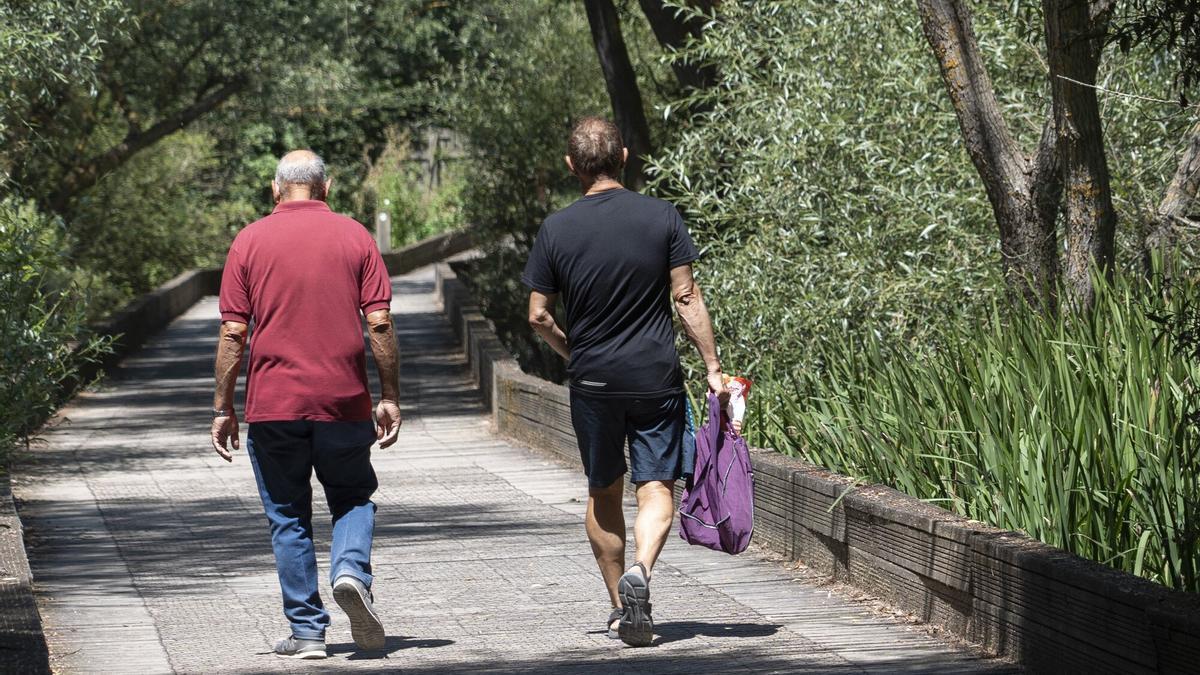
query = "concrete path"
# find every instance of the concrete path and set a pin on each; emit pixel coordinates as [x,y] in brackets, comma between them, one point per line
[151,555]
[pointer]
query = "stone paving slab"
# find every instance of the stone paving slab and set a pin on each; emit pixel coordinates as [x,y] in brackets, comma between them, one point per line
[150,554]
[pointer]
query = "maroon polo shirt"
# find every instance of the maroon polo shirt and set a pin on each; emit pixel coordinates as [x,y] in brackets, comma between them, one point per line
[305,276]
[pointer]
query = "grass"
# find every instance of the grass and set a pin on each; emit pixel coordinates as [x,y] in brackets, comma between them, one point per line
[1078,431]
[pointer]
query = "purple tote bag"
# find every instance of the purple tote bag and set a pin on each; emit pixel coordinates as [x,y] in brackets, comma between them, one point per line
[717,507]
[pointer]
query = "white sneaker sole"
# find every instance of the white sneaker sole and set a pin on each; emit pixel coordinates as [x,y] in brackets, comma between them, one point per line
[365,626]
[306,656]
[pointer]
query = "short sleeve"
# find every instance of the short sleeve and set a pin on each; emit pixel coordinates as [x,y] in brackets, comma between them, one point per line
[374,286]
[539,273]
[234,299]
[682,250]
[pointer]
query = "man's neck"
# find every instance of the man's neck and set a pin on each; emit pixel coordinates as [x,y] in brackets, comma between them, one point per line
[600,184]
[298,196]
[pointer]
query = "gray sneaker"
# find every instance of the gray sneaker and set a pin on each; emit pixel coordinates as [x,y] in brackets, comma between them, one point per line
[355,600]
[293,647]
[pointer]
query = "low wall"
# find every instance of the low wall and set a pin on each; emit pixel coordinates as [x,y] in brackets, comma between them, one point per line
[22,643]
[134,323]
[1014,596]
[429,251]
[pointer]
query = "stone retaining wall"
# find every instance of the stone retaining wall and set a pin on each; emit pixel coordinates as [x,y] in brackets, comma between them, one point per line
[1014,596]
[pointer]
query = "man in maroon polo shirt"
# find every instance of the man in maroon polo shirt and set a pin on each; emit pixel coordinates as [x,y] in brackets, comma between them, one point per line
[305,277]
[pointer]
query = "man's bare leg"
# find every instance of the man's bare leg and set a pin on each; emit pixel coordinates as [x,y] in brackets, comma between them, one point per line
[606,531]
[656,511]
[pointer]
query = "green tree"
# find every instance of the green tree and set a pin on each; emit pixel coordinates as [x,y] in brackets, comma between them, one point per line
[49,44]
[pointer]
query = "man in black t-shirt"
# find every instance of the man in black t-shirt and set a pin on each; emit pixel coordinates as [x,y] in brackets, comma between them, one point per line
[617,258]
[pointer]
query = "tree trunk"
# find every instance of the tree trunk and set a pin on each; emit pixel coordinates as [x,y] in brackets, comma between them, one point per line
[1176,203]
[1024,191]
[673,32]
[623,92]
[1074,39]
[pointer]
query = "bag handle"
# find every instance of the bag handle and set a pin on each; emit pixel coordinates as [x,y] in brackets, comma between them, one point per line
[715,420]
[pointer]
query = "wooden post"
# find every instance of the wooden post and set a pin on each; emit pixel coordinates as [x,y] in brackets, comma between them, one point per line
[383,232]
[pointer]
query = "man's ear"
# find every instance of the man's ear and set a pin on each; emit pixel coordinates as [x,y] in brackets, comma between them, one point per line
[624,156]
[570,165]
[275,194]
[328,184]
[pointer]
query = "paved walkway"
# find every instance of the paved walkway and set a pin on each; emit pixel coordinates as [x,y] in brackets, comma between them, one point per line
[150,554]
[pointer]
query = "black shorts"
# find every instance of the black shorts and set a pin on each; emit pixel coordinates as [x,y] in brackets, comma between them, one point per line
[654,427]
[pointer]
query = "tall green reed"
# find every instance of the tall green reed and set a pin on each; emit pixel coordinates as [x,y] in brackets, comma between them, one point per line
[1077,430]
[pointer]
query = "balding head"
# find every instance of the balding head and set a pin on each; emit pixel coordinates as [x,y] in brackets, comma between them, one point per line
[300,175]
[595,149]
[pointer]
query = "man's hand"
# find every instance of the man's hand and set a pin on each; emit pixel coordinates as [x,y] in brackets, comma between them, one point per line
[387,422]
[225,429]
[716,385]
[229,361]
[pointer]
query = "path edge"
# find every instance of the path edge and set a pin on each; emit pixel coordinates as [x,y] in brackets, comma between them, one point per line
[25,649]
[1011,595]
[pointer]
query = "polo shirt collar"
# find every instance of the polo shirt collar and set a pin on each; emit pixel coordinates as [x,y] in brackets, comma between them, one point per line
[301,205]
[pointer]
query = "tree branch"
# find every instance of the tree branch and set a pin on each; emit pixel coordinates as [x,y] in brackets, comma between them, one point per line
[1023,192]
[948,27]
[672,30]
[1179,198]
[1099,11]
[86,175]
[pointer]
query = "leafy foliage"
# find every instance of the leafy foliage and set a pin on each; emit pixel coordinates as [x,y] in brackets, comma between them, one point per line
[828,187]
[827,203]
[1170,26]
[182,221]
[41,321]
[48,44]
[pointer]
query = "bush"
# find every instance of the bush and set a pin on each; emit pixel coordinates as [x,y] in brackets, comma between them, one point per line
[42,315]
[1076,431]
[154,217]
[396,184]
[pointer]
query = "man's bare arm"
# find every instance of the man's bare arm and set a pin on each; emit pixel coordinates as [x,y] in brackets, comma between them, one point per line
[693,314]
[230,347]
[387,360]
[541,319]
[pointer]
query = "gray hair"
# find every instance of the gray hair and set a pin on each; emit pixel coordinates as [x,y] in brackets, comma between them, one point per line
[301,167]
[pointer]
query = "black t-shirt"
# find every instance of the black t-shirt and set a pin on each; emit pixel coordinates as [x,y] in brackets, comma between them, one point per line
[610,255]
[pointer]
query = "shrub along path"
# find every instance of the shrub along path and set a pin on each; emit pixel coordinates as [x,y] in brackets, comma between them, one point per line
[150,554]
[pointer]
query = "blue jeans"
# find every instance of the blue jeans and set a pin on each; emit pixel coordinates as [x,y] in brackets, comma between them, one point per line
[284,455]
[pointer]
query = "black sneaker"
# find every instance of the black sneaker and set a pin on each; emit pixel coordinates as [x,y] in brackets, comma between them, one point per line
[637,627]
[355,600]
[296,648]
